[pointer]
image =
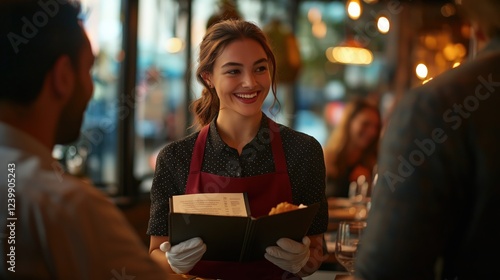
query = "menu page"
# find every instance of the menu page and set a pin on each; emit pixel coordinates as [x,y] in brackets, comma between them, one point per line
[221,204]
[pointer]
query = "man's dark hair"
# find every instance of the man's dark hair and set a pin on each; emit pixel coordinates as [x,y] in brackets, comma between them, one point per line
[33,35]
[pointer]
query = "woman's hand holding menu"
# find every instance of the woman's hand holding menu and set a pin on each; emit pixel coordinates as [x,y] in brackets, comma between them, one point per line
[184,256]
[289,255]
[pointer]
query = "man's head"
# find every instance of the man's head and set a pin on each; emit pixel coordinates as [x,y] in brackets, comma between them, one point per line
[71,117]
[45,58]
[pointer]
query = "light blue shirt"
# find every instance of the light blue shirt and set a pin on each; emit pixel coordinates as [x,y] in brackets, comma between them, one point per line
[56,226]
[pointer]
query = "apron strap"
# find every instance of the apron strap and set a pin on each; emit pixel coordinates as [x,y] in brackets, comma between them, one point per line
[277,147]
[199,151]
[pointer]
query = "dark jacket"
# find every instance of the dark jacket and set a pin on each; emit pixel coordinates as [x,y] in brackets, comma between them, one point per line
[435,207]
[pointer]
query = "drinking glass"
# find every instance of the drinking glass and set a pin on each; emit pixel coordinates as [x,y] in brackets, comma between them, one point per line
[359,197]
[347,243]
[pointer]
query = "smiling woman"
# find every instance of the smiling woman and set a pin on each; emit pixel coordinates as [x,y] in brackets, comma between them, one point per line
[240,150]
[241,81]
[255,65]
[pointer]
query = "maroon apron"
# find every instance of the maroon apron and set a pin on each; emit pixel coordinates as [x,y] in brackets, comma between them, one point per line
[263,191]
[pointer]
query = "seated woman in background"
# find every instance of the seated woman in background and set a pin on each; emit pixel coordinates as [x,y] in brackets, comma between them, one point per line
[352,148]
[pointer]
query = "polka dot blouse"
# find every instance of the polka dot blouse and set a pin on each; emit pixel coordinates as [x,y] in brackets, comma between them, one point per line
[305,164]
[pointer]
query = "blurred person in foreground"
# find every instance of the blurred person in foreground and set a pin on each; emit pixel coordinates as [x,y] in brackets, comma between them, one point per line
[53,226]
[436,201]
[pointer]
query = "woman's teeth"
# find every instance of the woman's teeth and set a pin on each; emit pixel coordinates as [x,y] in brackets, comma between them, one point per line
[247,95]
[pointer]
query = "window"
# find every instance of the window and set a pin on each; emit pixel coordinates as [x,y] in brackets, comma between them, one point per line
[94,155]
[163,84]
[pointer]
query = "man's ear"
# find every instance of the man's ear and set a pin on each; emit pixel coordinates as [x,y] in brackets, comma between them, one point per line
[63,77]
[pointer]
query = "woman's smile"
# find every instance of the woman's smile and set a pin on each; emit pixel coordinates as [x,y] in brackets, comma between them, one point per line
[248,97]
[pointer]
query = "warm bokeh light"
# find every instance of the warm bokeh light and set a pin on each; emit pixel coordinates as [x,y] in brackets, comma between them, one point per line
[319,29]
[174,45]
[329,54]
[333,112]
[456,64]
[421,71]
[465,30]
[461,50]
[314,15]
[383,25]
[448,10]
[440,62]
[350,55]
[430,42]
[454,51]
[354,9]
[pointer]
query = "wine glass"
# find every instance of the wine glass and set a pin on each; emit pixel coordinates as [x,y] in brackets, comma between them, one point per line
[359,197]
[348,237]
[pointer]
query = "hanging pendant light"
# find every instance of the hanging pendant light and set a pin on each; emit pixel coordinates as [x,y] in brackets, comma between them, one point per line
[350,51]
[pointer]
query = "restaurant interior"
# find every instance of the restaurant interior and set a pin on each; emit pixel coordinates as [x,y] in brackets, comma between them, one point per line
[332,50]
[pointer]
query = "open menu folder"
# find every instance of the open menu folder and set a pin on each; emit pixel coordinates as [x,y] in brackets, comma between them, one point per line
[224,223]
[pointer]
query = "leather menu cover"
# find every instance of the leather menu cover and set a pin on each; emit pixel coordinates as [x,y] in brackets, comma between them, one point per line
[232,238]
[266,230]
[224,236]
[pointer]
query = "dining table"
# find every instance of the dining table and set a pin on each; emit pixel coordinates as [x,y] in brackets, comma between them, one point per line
[318,275]
[328,275]
[342,209]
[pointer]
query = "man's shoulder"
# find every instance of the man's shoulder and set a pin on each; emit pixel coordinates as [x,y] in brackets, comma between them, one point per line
[35,182]
[62,191]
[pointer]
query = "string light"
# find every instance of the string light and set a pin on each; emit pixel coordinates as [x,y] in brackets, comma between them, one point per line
[421,71]
[383,25]
[354,9]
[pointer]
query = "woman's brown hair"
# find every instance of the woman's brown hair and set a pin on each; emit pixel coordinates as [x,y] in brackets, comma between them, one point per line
[335,149]
[217,37]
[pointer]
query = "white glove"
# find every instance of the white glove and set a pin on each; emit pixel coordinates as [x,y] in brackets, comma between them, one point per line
[184,256]
[289,255]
